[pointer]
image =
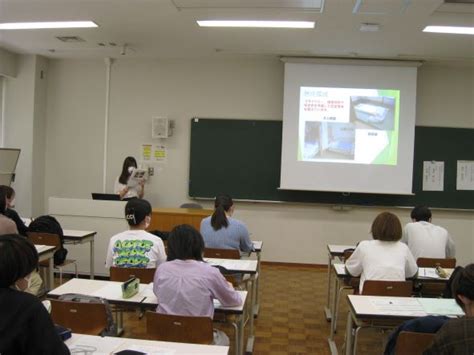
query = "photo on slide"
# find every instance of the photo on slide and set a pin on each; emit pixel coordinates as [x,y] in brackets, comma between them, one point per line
[329,141]
[373,112]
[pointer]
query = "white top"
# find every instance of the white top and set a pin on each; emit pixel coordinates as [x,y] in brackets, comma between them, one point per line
[80,343]
[380,260]
[135,248]
[425,240]
[134,191]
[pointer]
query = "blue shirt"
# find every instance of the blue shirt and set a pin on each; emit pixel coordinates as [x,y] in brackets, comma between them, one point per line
[234,236]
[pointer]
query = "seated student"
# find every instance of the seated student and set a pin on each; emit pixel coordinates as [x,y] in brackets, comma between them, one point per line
[424,239]
[185,285]
[136,247]
[25,325]
[7,226]
[221,231]
[456,336]
[385,257]
[10,212]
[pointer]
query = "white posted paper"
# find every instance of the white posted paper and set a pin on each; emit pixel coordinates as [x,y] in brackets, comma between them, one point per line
[465,175]
[433,175]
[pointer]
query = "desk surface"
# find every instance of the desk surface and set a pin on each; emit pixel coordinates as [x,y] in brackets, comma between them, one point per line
[112,291]
[108,345]
[183,211]
[378,307]
[42,249]
[257,245]
[243,266]
[77,234]
[338,250]
[424,273]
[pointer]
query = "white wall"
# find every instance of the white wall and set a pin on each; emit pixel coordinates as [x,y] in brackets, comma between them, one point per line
[221,88]
[8,63]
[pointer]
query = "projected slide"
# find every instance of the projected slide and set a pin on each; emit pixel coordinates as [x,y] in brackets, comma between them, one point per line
[343,125]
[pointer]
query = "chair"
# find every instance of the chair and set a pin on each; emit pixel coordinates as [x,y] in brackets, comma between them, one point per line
[411,343]
[125,273]
[181,329]
[387,288]
[191,205]
[52,240]
[221,253]
[83,318]
[449,263]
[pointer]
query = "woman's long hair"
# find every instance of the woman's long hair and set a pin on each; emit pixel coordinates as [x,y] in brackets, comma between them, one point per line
[222,205]
[128,162]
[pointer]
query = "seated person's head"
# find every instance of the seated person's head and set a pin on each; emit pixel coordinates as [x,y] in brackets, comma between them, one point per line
[420,213]
[18,259]
[463,290]
[225,203]
[184,243]
[9,195]
[138,213]
[386,227]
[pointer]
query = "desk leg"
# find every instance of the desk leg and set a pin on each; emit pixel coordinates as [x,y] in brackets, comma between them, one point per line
[327,310]
[257,301]
[251,337]
[334,306]
[92,256]
[51,274]
[349,327]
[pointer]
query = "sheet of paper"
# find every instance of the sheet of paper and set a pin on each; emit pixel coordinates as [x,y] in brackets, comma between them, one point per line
[399,306]
[146,152]
[340,269]
[147,349]
[94,345]
[147,290]
[441,306]
[465,175]
[159,153]
[433,176]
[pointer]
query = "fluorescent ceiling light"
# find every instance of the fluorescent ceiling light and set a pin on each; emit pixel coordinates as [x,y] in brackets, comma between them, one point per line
[259,24]
[45,25]
[450,29]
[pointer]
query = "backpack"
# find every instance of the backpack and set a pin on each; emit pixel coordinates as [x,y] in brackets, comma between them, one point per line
[111,329]
[49,224]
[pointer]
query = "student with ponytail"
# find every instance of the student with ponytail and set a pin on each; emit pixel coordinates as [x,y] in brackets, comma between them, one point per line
[222,231]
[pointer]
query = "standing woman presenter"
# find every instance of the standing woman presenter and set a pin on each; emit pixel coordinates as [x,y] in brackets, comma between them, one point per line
[121,184]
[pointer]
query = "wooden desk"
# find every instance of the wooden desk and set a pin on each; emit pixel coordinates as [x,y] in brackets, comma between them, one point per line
[46,252]
[112,292]
[376,311]
[73,237]
[93,344]
[165,219]
[334,251]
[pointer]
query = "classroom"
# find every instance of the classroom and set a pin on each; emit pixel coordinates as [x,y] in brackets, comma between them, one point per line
[77,108]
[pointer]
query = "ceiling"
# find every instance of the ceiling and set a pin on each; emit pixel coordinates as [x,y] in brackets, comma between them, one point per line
[168,29]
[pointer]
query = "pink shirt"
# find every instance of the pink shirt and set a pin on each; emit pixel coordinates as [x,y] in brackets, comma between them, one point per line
[188,287]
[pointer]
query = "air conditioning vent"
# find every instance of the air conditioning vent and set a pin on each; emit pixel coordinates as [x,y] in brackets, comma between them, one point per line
[70,39]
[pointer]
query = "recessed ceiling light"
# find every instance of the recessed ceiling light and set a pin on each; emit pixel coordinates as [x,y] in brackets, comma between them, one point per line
[450,29]
[46,25]
[258,24]
[369,27]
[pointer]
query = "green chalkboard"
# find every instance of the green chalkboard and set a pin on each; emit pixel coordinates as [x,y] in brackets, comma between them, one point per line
[242,158]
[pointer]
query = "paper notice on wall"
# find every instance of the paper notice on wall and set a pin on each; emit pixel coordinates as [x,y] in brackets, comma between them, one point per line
[146,152]
[433,176]
[465,175]
[159,153]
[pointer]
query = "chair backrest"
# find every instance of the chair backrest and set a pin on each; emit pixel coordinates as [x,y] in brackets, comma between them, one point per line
[45,239]
[191,205]
[221,253]
[433,262]
[83,318]
[125,273]
[387,288]
[181,329]
[411,343]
